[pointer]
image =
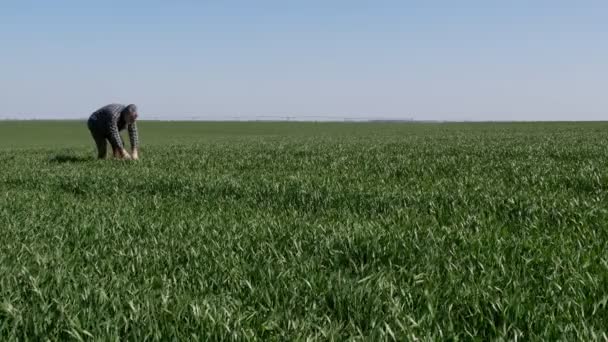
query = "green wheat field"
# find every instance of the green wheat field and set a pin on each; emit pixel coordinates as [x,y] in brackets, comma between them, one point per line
[306,231]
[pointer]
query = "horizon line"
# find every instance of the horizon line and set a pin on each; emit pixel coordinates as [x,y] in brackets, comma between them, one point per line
[345,120]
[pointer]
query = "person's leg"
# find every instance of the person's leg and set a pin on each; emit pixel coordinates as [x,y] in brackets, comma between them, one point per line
[98,137]
[102,145]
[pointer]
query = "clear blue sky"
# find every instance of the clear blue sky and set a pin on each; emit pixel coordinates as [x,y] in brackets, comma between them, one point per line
[450,60]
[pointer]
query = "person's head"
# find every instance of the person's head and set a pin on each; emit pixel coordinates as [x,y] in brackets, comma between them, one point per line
[130,113]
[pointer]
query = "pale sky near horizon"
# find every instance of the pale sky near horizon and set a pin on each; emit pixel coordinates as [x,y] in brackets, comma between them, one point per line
[426,60]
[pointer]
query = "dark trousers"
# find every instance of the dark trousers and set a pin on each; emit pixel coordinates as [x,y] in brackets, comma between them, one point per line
[101,140]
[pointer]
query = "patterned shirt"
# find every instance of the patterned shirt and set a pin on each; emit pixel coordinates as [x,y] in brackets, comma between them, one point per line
[108,121]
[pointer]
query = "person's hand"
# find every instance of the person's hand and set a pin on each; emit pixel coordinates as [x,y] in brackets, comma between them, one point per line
[124,154]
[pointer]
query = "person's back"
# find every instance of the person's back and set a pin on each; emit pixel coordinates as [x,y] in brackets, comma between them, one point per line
[105,125]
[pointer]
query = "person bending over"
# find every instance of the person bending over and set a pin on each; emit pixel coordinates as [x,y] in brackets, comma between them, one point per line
[105,125]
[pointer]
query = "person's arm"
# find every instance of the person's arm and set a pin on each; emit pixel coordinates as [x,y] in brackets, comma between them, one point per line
[116,141]
[134,139]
